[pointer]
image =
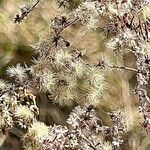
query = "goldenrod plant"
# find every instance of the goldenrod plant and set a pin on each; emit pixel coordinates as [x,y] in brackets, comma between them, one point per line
[95,50]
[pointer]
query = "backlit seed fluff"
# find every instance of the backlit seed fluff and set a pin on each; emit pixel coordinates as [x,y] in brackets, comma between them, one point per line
[2,84]
[65,97]
[88,9]
[145,12]
[146,48]
[49,81]
[17,72]
[90,26]
[79,67]
[95,77]
[62,56]
[24,112]
[38,129]
[112,9]
[94,95]
[112,44]
[107,146]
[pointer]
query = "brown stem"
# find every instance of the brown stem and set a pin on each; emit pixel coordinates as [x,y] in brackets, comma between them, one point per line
[27,13]
[123,67]
[32,8]
[67,25]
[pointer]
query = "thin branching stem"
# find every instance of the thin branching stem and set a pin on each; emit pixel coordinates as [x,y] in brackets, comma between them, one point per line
[123,68]
[26,13]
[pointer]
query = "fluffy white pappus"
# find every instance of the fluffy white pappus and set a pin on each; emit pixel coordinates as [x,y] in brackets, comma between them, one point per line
[35,131]
[94,95]
[72,82]
[95,77]
[65,91]
[18,72]
[3,84]
[62,56]
[42,46]
[129,36]
[107,146]
[40,66]
[112,9]
[23,116]
[23,112]
[145,12]
[66,80]
[79,67]
[122,42]
[65,97]
[113,44]
[90,26]
[88,9]
[145,46]
[38,129]
[49,80]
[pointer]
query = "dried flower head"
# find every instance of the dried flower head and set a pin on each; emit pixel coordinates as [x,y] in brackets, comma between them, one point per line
[24,116]
[18,72]
[62,56]
[107,146]
[96,78]
[49,81]
[3,84]
[37,130]
[79,67]
[24,112]
[88,9]
[145,12]
[90,26]
[146,48]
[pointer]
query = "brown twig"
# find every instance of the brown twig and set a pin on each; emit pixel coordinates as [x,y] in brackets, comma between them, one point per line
[67,25]
[19,18]
[123,67]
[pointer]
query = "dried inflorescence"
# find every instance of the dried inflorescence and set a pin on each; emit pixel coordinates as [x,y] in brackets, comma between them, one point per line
[131,21]
[62,3]
[84,131]
[25,11]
